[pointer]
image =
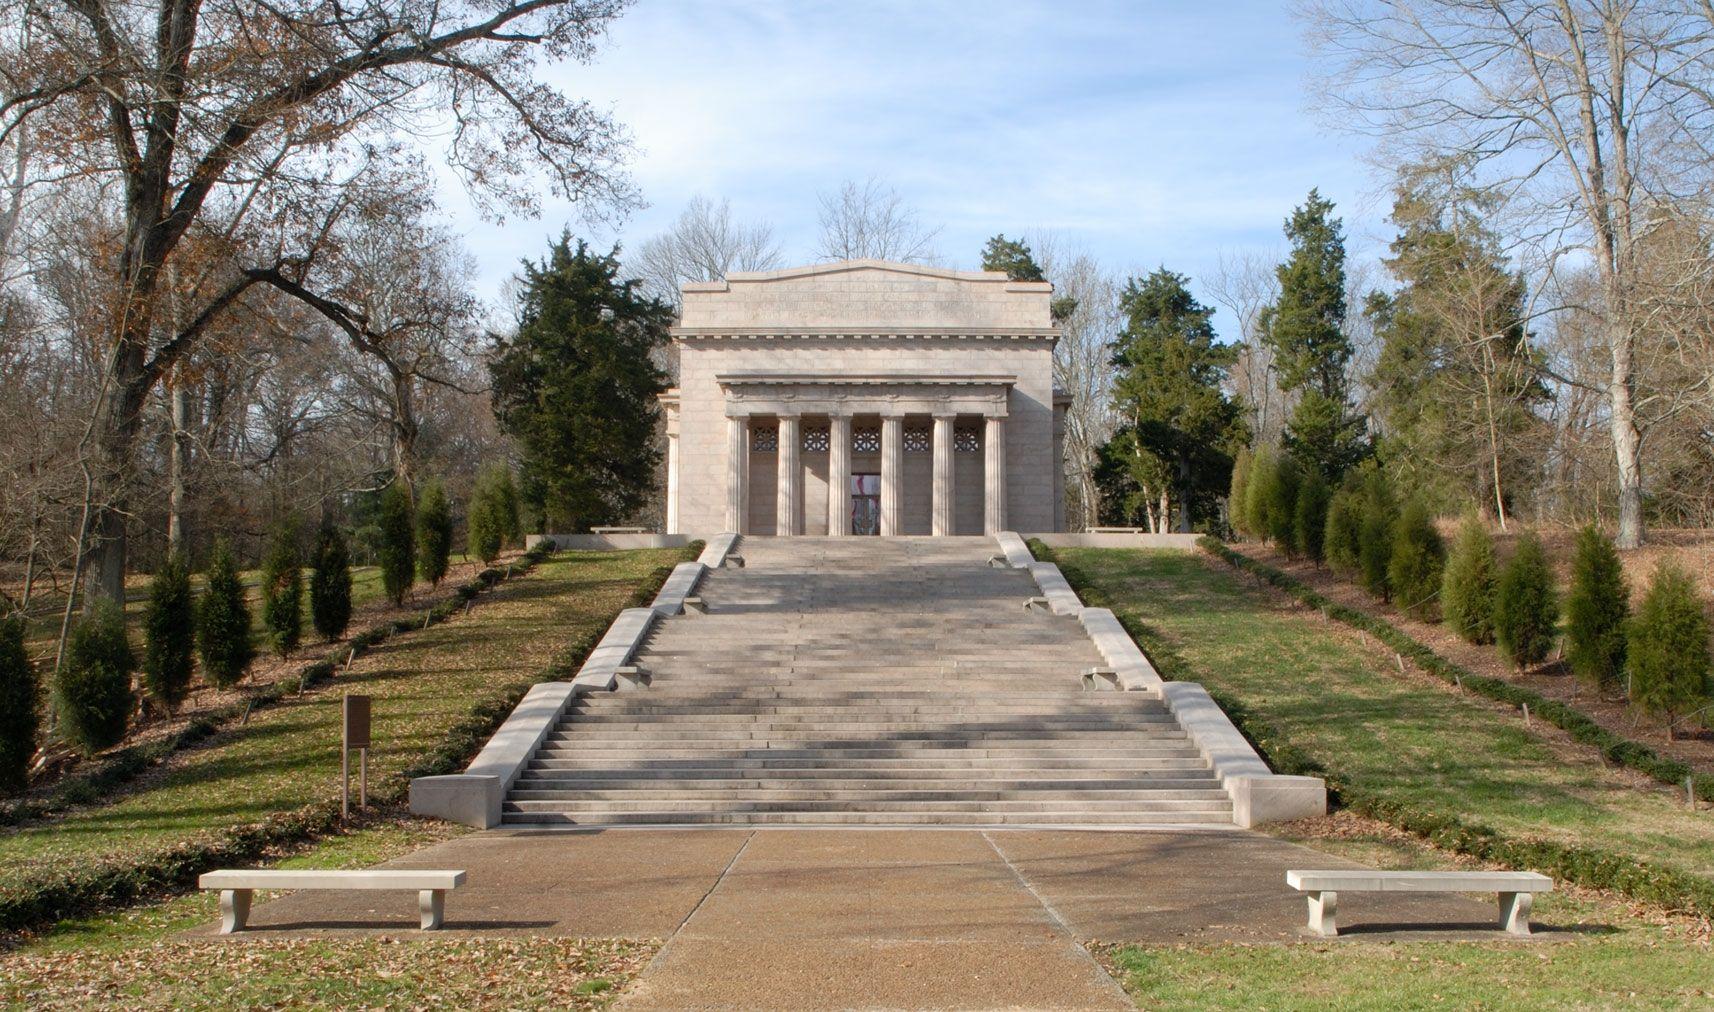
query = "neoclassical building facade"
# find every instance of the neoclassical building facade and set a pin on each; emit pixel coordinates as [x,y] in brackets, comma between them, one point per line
[865,397]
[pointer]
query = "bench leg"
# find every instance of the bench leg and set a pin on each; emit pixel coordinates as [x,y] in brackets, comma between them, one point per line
[234,910]
[1324,913]
[431,903]
[1515,912]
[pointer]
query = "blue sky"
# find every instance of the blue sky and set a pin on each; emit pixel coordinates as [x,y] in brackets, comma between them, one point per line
[1144,132]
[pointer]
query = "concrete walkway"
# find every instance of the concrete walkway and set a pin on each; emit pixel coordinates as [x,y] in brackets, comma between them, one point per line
[881,918]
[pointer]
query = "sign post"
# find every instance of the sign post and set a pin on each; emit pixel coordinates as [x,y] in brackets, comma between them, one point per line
[355,736]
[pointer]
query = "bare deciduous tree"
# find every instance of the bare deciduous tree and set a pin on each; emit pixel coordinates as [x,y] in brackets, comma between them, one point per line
[1082,366]
[703,244]
[870,221]
[1587,111]
[236,118]
[1245,283]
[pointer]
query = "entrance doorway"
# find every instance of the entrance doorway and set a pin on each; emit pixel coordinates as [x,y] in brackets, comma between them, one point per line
[865,504]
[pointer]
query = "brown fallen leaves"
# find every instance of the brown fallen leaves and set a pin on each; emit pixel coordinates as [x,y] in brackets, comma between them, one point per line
[347,973]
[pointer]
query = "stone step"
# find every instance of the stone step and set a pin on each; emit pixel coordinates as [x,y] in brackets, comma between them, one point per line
[870,780]
[1086,705]
[1165,758]
[857,797]
[832,753]
[978,725]
[1141,817]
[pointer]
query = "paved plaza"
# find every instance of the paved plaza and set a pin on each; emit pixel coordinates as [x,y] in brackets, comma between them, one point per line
[875,918]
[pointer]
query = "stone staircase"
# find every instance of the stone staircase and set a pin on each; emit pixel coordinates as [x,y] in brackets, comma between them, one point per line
[875,681]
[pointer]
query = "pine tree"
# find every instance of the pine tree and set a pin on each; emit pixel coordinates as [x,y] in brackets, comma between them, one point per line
[1470,584]
[1375,534]
[1178,422]
[577,387]
[20,707]
[434,534]
[1418,561]
[1596,610]
[169,635]
[1235,514]
[1454,383]
[1305,327]
[92,695]
[1525,605]
[1668,649]
[330,583]
[1309,519]
[283,590]
[397,548]
[223,622]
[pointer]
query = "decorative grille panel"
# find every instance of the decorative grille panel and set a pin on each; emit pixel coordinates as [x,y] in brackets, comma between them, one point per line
[965,441]
[866,440]
[917,441]
[765,440]
[815,439]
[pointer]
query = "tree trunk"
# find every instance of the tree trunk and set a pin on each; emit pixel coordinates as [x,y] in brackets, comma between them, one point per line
[177,462]
[1627,440]
[115,436]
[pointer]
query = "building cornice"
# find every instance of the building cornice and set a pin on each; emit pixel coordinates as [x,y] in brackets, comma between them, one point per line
[1049,335]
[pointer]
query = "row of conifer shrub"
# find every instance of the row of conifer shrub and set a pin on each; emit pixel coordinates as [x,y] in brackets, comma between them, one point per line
[1658,655]
[93,696]
[1585,866]
[119,766]
[119,883]
[1616,748]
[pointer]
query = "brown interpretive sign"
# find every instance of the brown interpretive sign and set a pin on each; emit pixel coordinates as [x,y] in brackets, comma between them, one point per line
[355,736]
[356,721]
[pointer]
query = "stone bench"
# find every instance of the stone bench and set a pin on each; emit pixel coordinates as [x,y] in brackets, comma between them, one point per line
[1516,889]
[237,884]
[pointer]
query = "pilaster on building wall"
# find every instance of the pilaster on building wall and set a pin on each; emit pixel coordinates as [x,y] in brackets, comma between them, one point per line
[821,356]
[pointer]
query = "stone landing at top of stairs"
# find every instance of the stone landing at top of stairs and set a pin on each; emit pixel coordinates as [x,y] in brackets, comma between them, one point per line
[867,681]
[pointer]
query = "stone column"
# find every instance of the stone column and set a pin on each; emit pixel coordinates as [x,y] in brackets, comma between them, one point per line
[994,477]
[672,482]
[943,488]
[839,475]
[892,481]
[737,473]
[788,497]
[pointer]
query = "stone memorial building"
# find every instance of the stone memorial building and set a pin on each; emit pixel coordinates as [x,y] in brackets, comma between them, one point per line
[865,397]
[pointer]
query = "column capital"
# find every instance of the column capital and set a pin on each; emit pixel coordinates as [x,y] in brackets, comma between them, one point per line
[948,415]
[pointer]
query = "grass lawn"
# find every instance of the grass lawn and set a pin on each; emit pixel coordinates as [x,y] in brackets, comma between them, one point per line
[287,755]
[1402,737]
[1597,952]
[135,958]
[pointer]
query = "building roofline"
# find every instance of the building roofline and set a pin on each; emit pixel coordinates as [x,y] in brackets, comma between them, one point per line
[845,266]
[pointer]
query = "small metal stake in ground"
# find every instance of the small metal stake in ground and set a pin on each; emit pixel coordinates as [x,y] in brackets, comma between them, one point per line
[355,735]
[349,657]
[1690,792]
[1399,659]
[1526,715]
